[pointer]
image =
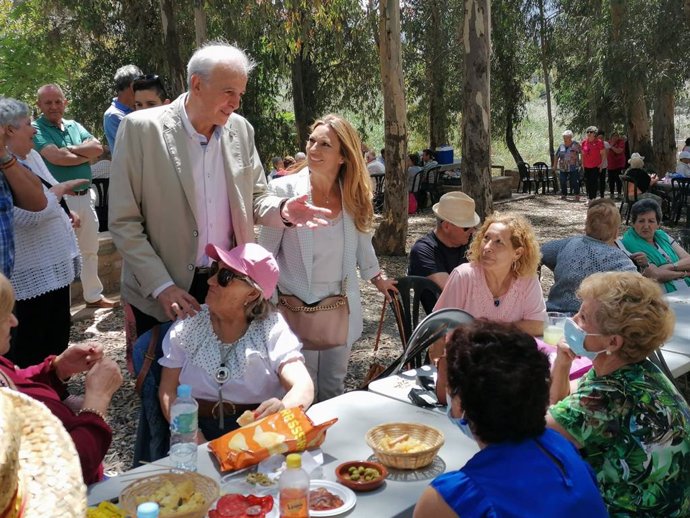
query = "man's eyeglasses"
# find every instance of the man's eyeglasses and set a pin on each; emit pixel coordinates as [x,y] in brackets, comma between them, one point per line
[225,276]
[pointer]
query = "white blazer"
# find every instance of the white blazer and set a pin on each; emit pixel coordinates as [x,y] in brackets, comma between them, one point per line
[294,250]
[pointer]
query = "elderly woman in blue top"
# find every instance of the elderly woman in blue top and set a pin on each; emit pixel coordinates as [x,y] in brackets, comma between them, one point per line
[574,258]
[498,384]
[659,256]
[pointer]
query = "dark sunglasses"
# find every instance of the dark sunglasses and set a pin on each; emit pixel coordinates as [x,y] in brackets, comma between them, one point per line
[225,276]
[147,77]
[591,132]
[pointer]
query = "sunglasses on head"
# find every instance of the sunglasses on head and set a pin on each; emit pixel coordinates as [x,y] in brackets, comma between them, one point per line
[147,77]
[225,276]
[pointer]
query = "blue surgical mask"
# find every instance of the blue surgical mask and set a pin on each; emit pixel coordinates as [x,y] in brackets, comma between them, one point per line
[460,422]
[575,338]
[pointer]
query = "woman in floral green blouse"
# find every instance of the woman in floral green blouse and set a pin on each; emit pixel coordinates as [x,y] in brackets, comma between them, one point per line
[628,419]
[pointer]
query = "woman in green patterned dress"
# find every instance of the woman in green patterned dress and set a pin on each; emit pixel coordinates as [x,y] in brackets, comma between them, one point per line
[630,422]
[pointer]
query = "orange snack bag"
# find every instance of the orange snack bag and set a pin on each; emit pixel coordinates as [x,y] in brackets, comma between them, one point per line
[287,431]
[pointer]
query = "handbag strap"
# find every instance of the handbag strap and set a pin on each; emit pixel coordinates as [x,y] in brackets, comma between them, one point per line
[378,331]
[397,311]
[148,358]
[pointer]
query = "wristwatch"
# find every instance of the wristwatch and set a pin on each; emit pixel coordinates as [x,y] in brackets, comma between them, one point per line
[5,159]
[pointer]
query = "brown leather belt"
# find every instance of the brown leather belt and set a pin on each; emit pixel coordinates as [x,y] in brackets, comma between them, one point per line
[210,408]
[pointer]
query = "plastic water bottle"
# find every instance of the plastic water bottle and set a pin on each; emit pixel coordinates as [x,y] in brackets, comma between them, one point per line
[183,426]
[294,489]
[148,510]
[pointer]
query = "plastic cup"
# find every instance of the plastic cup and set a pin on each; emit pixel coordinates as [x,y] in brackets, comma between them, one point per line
[553,327]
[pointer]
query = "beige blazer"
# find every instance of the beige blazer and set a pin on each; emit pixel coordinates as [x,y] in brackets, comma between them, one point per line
[151,199]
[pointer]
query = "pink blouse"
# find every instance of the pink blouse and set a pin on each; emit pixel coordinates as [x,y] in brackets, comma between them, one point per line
[466,289]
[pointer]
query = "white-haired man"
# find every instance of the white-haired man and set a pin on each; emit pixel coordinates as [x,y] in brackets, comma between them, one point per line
[122,104]
[184,175]
[683,165]
[567,160]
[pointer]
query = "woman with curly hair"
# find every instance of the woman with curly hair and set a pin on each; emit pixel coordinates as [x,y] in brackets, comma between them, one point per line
[498,392]
[500,281]
[316,263]
[629,420]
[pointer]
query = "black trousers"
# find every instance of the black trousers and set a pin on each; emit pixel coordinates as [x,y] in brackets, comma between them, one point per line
[592,181]
[198,290]
[44,325]
[615,183]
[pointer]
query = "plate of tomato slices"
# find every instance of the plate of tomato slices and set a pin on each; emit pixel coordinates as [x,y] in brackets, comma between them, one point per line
[243,506]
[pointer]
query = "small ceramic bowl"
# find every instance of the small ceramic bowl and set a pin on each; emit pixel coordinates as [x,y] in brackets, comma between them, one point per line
[342,472]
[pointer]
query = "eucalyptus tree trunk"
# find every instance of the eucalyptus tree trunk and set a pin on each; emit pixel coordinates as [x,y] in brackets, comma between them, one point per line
[476,113]
[391,234]
[171,43]
[436,74]
[200,25]
[543,44]
[638,120]
[664,129]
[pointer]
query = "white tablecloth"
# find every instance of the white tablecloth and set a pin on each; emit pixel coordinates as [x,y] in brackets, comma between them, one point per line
[357,413]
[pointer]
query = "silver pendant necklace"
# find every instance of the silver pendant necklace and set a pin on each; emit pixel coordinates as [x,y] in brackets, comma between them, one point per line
[222,375]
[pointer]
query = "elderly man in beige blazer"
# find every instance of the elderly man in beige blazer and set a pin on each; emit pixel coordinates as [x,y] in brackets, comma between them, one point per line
[184,175]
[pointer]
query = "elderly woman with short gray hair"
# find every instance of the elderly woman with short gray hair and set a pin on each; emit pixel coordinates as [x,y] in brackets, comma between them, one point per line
[658,255]
[567,161]
[575,258]
[47,258]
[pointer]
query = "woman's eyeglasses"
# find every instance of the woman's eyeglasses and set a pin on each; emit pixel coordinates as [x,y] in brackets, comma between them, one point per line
[225,276]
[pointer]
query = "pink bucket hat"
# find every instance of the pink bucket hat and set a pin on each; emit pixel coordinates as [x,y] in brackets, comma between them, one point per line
[251,260]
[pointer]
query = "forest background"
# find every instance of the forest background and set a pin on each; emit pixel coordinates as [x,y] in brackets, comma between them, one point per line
[617,64]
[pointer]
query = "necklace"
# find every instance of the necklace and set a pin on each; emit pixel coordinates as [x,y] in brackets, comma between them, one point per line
[222,372]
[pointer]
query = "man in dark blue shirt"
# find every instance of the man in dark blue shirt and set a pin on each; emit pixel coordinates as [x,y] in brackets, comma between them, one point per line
[437,253]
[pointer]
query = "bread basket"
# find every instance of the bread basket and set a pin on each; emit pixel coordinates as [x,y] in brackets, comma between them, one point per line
[429,435]
[205,486]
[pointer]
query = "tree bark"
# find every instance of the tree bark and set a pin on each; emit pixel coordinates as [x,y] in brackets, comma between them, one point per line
[664,130]
[510,141]
[200,25]
[438,113]
[476,120]
[547,79]
[391,234]
[638,120]
[171,43]
[298,102]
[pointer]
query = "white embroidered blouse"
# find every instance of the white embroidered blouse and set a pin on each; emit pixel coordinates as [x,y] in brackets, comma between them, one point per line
[254,361]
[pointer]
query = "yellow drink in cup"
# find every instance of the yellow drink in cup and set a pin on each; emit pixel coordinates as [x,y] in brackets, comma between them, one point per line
[552,334]
[553,327]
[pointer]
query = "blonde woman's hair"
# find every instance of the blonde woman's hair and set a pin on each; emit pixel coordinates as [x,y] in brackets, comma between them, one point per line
[521,235]
[6,296]
[357,195]
[630,306]
[603,220]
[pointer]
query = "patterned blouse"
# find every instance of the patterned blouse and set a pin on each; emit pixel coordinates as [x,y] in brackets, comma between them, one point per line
[634,427]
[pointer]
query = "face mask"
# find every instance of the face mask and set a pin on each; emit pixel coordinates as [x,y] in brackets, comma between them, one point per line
[460,422]
[575,338]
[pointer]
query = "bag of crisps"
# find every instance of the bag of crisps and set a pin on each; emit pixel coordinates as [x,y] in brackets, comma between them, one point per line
[289,430]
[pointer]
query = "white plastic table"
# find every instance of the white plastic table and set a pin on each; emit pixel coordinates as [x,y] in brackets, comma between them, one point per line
[357,413]
[398,386]
[680,341]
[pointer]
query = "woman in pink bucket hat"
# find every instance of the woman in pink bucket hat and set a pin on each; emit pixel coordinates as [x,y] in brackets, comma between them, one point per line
[237,353]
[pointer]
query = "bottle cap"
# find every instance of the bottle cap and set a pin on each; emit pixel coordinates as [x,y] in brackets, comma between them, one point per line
[148,510]
[294,461]
[184,391]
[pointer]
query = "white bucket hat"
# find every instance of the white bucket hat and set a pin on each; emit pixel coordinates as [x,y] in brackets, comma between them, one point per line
[636,161]
[40,472]
[457,208]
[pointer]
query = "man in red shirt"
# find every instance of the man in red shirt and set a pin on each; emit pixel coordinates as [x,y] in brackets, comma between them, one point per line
[593,152]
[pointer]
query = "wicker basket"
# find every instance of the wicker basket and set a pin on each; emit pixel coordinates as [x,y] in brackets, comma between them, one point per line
[206,486]
[426,434]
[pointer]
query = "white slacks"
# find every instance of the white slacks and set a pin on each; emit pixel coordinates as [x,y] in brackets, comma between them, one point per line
[87,237]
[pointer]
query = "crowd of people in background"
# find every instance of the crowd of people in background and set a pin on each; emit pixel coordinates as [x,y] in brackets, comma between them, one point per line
[187,188]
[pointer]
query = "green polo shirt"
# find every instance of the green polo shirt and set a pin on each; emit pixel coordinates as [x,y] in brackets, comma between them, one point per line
[73,134]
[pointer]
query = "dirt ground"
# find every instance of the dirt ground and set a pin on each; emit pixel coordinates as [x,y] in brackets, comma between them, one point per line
[551,218]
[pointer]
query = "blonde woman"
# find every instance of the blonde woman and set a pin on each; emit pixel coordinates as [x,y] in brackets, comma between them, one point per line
[500,282]
[319,262]
[627,418]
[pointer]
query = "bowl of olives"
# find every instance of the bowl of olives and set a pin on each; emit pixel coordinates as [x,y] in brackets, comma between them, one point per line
[361,475]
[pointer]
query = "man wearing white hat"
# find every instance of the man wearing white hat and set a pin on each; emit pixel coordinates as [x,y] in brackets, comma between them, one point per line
[683,166]
[436,254]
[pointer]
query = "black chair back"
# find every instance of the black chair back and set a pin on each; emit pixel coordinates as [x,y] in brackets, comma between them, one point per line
[680,188]
[525,177]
